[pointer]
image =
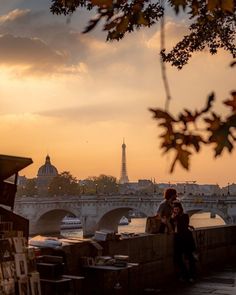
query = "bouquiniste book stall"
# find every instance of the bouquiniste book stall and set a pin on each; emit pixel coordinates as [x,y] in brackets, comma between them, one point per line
[18,275]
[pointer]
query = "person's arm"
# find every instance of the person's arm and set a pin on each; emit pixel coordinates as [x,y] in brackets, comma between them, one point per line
[160,209]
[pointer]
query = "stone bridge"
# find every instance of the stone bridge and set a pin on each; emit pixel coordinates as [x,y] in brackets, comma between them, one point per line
[45,214]
[97,212]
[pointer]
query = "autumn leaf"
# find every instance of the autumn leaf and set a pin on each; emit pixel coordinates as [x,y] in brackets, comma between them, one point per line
[221,138]
[142,20]
[233,63]
[214,123]
[159,114]
[182,157]
[195,7]
[187,117]
[123,25]
[102,3]
[178,3]
[231,120]
[227,5]
[110,25]
[68,3]
[91,25]
[222,141]
[193,140]
[212,4]
[231,103]
[210,101]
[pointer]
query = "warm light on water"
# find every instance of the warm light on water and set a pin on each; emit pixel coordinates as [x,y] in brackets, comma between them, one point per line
[204,220]
[137,225]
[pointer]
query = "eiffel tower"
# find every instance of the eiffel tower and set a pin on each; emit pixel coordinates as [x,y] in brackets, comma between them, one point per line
[124,177]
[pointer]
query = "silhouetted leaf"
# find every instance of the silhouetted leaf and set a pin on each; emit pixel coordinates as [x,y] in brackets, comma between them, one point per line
[221,139]
[159,114]
[233,63]
[102,3]
[231,120]
[91,25]
[122,26]
[227,5]
[214,123]
[182,157]
[232,103]
[210,101]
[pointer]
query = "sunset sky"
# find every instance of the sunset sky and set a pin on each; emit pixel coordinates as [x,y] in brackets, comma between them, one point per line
[75,96]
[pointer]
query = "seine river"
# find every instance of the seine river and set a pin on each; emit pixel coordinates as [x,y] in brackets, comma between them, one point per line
[137,225]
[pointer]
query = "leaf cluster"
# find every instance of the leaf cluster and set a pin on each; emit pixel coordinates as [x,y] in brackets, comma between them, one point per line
[214,27]
[182,135]
[119,16]
[212,22]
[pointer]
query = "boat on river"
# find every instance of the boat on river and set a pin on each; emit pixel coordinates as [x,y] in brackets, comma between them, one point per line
[70,222]
[124,221]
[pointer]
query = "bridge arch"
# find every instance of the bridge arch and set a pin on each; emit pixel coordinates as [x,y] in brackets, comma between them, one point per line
[109,219]
[215,211]
[49,221]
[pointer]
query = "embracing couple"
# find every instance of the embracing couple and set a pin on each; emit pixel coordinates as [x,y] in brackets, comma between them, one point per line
[174,220]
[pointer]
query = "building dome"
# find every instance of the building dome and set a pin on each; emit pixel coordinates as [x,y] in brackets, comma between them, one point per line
[47,169]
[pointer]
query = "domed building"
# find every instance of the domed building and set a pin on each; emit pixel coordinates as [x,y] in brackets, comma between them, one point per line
[45,175]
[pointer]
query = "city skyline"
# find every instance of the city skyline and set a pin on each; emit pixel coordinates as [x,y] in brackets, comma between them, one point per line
[75,96]
[153,179]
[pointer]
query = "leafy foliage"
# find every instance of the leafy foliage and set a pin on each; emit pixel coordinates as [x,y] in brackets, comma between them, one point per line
[29,188]
[212,21]
[103,184]
[119,17]
[63,184]
[212,26]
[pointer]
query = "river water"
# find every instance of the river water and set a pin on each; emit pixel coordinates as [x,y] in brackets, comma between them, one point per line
[137,225]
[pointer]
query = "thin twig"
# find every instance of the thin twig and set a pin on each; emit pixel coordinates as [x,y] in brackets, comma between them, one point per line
[163,65]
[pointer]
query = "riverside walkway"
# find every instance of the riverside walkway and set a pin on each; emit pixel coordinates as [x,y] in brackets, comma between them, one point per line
[216,282]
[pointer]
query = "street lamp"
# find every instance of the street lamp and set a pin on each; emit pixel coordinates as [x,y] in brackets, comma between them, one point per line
[117,188]
[96,188]
[228,189]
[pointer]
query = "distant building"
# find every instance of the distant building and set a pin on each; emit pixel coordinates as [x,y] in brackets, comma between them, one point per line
[230,189]
[209,189]
[45,175]
[124,177]
[191,188]
[22,180]
[143,186]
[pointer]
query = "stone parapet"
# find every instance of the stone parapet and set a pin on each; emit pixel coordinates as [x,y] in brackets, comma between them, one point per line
[154,254]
